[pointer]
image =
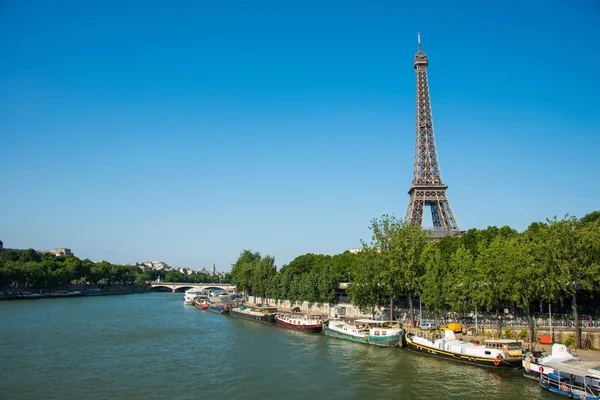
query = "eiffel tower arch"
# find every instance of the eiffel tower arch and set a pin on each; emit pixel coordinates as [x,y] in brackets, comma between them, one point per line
[427,188]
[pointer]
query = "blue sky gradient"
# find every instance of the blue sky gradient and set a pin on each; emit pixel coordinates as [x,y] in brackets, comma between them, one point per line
[190,131]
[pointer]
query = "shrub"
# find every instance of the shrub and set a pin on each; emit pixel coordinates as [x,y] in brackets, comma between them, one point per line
[570,341]
[523,335]
[508,333]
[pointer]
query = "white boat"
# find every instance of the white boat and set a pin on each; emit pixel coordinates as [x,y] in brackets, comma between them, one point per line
[562,373]
[190,295]
[498,353]
[369,331]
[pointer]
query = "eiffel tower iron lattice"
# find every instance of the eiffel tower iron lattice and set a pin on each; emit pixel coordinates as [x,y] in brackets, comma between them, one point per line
[427,187]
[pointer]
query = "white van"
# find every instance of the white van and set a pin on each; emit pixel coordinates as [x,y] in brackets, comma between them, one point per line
[428,326]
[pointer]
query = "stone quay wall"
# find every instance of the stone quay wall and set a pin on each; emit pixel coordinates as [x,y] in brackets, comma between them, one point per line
[309,307]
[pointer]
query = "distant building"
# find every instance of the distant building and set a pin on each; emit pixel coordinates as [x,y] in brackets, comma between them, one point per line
[59,251]
[355,250]
[213,271]
[156,265]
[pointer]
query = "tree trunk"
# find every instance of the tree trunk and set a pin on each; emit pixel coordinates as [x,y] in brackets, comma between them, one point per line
[499,325]
[391,308]
[577,329]
[531,328]
[412,311]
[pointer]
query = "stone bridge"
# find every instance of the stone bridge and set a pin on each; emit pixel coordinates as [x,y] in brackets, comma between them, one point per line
[180,287]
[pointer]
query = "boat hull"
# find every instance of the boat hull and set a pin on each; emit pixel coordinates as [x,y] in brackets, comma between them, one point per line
[565,389]
[201,306]
[484,362]
[383,341]
[217,309]
[267,318]
[300,327]
[531,369]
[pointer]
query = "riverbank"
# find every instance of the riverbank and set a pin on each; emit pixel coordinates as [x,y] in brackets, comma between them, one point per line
[29,293]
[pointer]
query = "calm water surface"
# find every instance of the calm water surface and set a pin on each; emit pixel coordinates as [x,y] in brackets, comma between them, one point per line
[151,346]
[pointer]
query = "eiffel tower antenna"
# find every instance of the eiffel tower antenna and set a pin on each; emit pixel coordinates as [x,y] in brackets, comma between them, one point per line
[427,187]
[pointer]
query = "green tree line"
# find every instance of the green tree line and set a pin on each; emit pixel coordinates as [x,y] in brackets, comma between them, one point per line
[310,277]
[553,261]
[32,269]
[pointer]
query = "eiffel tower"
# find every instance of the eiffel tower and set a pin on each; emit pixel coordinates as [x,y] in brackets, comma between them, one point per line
[427,187]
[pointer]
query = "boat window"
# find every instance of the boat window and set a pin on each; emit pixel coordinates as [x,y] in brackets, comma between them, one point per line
[383,333]
[487,352]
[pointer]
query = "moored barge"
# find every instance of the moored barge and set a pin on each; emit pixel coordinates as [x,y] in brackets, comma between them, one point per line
[299,321]
[258,314]
[494,353]
[367,331]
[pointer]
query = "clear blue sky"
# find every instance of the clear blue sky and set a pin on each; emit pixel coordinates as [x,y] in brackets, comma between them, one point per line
[188,131]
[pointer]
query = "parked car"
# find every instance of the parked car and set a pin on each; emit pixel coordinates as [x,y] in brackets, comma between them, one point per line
[428,326]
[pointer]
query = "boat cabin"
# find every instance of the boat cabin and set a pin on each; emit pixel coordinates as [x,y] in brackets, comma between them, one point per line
[512,347]
[376,328]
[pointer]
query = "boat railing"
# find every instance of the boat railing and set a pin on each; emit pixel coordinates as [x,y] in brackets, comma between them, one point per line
[569,385]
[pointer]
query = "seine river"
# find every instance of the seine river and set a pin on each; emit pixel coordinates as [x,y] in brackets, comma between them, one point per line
[151,346]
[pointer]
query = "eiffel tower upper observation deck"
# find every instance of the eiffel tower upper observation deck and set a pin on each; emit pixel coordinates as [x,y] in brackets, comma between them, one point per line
[427,187]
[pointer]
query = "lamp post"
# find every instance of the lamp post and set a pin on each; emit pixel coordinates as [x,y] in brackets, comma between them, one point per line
[420,313]
[476,327]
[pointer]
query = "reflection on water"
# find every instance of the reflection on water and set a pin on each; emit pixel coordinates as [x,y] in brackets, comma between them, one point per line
[152,346]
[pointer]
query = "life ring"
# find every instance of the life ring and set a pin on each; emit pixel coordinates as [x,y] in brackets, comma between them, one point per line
[541,369]
[496,362]
[564,387]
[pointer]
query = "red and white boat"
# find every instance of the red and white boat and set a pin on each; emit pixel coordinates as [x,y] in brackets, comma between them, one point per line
[202,302]
[301,322]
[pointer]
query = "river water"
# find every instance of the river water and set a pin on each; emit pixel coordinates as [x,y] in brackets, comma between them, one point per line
[151,346]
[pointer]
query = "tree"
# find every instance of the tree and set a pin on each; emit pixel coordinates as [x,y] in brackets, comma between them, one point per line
[395,252]
[571,252]
[365,290]
[263,272]
[30,255]
[527,277]
[242,271]
[590,218]
[327,283]
[433,282]
[342,265]
[461,278]
[492,279]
